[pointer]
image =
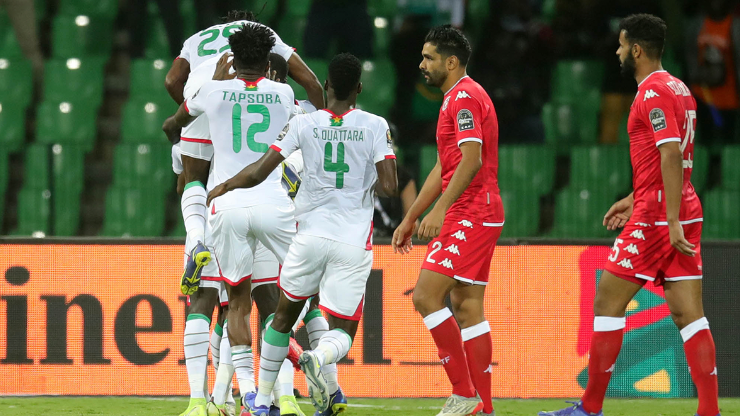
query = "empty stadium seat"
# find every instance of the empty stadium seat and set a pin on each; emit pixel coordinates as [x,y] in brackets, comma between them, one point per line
[720,214]
[103,8]
[12,127]
[9,47]
[16,82]
[700,169]
[526,168]
[67,123]
[579,213]
[147,79]
[291,28]
[142,120]
[379,83]
[597,167]
[34,211]
[522,208]
[573,79]
[133,213]
[66,210]
[572,121]
[81,36]
[143,166]
[4,174]
[297,8]
[75,80]
[68,168]
[731,167]
[37,172]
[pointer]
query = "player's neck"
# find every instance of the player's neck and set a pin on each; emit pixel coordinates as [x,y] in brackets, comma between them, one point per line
[452,79]
[340,107]
[643,72]
[249,76]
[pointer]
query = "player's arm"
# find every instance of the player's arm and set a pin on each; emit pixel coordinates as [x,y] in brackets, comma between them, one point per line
[387,185]
[174,124]
[304,76]
[671,167]
[431,189]
[619,213]
[175,80]
[250,176]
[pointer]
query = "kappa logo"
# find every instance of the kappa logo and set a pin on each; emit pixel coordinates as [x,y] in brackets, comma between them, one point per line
[642,224]
[650,94]
[466,223]
[447,101]
[638,234]
[460,235]
[714,372]
[626,263]
[453,249]
[632,249]
[446,263]
[489,369]
[461,94]
[610,369]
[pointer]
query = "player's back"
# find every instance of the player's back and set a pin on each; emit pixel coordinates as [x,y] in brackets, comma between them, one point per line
[244,117]
[663,111]
[339,155]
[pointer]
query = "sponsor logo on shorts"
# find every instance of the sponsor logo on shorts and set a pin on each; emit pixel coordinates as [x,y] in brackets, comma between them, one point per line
[650,94]
[460,235]
[638,234]
[466,223]
[446,263]
[465,120]
[461,94]
[626,263]
[632,249]
[657,119]
[453,249]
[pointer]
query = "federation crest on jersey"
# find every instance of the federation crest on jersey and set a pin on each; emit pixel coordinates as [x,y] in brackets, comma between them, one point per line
[336,121]
[465,120]
[389,139]
[250,86]
[657,119]
[282,134]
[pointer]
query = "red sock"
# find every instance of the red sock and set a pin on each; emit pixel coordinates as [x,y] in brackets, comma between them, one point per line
[606,342]
[479,352]
[447,336]
[700,355]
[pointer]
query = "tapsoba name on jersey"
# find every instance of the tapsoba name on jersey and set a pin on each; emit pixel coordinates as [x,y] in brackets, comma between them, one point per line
[253,98]
[348,135]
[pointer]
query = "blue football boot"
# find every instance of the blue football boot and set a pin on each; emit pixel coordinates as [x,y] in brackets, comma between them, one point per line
[337,404]
[197,259]
[575,410]
[250,409]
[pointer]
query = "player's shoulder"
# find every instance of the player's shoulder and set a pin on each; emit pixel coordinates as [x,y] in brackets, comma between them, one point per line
[660,87]
[465,93]
[367,119]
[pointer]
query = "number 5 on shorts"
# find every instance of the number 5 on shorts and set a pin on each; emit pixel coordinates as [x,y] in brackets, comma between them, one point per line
[338,167]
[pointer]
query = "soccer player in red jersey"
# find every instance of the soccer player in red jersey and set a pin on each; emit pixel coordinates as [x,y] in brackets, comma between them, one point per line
[662,222]
[463,226]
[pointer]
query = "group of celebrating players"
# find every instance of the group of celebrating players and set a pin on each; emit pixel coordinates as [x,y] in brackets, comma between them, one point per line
[242,144]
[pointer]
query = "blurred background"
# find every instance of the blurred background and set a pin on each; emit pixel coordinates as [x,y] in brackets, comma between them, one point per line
[82,102]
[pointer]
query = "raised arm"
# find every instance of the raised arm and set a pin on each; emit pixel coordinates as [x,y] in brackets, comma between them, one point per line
[176,78]
[304,76]
[250,176]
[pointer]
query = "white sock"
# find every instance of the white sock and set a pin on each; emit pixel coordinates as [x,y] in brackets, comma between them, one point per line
[216,335]
[243,360]
[193,206]
[196,353]
[333,346]
[285,379]
[274,351]
[317,326]
[225,374]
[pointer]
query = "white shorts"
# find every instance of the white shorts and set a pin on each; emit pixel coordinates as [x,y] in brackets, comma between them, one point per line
[237,232]
[195,139]
[336,270]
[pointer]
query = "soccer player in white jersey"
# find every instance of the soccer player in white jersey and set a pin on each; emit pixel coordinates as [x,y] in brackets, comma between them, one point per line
[347,155]
[245,115]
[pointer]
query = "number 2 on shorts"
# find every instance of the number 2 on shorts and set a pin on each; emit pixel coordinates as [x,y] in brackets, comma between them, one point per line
[338,167]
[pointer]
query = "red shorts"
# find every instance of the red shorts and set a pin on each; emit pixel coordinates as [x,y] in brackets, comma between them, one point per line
[643,253]
[463,250]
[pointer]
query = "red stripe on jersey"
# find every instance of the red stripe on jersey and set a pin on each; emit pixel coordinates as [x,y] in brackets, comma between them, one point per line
[340,115]
[369,245]
[275,148]
[192,140]
[390,156]
[185,104]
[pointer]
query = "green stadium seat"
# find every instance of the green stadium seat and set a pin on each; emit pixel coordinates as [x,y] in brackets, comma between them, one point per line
[68,164]
[12,127]
[600,167]
[379,82]
[188,13]
[66,212]
[700,169]
[297,8]
[572,122]
[75,80]
[81,36]
[157,46]
[102,8]
[16,82]
[476,16]
[133,213]
[9,47]
[572,80]
[291,29]
[731,167]
[383,35]
[385,8]
[147,79]
[143,166]
[427,161]
[526,168]
[579,213]
[179,230]
[142,120]
[720,215]
[4,174]
[37,173]
[522,208]
[34,211]
[67,123]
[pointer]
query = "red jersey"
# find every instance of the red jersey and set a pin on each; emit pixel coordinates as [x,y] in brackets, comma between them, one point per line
[467,114]
[663,111]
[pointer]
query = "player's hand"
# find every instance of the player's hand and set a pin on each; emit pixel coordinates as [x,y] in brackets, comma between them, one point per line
[618,214]
[431,224]
[216,192]
[678,241]
[171,130]
[401,241]
[223,68]
[272,75]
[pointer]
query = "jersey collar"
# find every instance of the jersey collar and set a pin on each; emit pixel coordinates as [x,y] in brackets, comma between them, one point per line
[654,72]
[251,85]
[453,87]
[337,120]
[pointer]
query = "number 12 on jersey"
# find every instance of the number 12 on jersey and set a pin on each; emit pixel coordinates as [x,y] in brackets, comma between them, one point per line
[338,167]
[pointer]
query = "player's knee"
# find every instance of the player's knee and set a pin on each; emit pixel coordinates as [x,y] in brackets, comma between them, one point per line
[603,306]
[425,303]
[682,318]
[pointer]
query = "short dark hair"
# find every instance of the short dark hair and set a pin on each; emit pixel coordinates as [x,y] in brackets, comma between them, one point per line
[280,65]
[450,41]
[237,15]
[344,74]
[251,46]
[646,30]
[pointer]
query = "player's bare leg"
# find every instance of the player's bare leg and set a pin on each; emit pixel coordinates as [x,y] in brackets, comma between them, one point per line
[240,335]
[429,300]
[196,342]
[467,306]
[684,299]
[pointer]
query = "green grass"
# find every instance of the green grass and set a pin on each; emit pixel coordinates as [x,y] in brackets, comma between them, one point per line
[130,406]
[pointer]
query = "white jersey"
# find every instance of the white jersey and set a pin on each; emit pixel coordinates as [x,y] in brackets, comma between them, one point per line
[204,49]
[243,118]
[339,156]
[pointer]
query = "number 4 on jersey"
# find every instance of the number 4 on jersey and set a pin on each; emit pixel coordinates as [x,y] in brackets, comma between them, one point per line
[338,167]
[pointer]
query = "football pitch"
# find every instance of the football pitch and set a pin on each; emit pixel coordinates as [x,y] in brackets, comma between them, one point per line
[141,406]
